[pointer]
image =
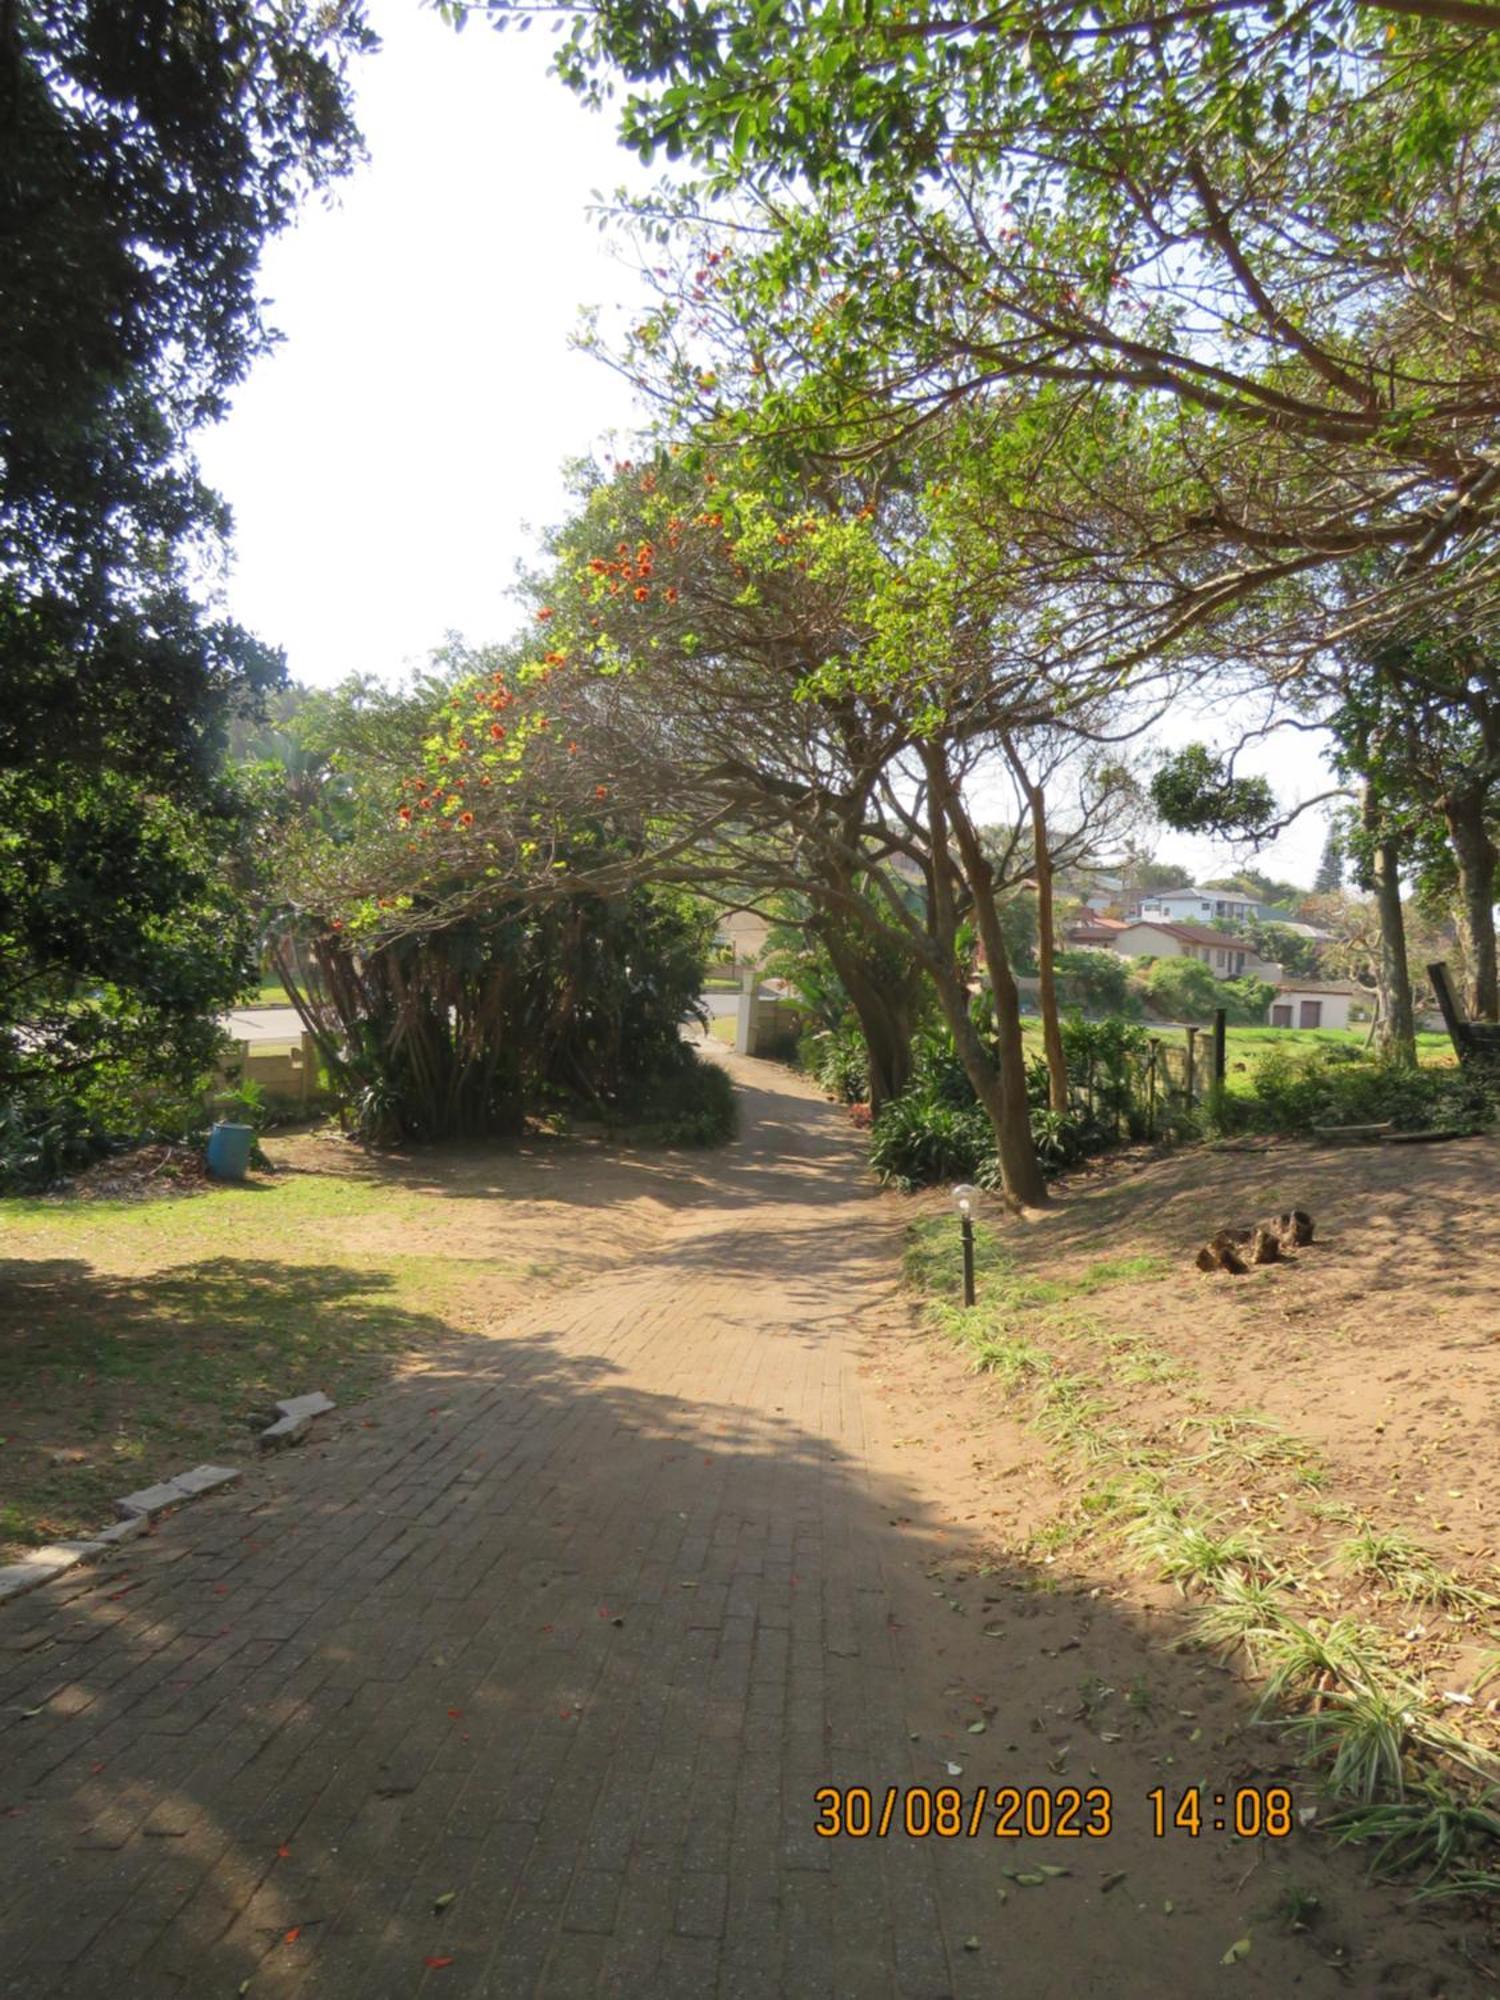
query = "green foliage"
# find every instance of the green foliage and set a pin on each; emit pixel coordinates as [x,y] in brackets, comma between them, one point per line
[1334,1085]
[1196,792]
[689,1104]
[145,156]
[1185,989]
[920,1141]
[1097,982]
[838,1062]
[936,1131]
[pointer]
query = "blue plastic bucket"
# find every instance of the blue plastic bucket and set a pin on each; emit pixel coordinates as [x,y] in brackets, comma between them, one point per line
[229,1151]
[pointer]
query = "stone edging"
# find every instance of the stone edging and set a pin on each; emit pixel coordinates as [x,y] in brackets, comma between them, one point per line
[136,1511]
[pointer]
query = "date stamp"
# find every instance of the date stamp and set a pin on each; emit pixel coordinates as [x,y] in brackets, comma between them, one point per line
[1044,1812]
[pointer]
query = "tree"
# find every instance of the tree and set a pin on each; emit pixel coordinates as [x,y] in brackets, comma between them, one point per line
[1265,221]
[450,1001]
[145,156]
[1330,876]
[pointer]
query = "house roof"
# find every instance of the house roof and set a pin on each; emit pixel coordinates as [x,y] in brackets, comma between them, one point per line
[1097,923]
[1317,986]
[1191,933]
[1202,895]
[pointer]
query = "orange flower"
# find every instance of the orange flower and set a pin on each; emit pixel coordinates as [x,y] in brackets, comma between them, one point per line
[405,813]
[572,749]
[670,593]
[556,659]
[601,791]
[544,614]
[466,819]
[642,592]
[497,732]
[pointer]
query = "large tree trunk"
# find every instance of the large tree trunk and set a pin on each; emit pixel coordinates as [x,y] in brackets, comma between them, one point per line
[1474,852]
[1004,1091]
[1398,1028]
[887,1016]
[1057,1062]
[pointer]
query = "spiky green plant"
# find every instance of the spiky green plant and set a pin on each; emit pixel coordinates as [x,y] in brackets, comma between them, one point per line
[1248,1613]
[1389,1556]
[1316,1658]
[1362,1734]
[1193,1554]
[1453,1841]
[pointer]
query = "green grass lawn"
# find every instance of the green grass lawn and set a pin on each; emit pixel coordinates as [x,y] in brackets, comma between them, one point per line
[136,1335]
[1245,1045]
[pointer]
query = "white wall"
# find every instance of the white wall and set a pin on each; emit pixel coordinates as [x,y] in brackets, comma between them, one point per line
[1334,1008]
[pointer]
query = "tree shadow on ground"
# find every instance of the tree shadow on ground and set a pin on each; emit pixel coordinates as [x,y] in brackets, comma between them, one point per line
[526,1675]
[112,1382]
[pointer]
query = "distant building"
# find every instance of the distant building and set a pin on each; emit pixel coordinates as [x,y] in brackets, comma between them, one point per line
[1226,956]
[1092,932]
[741,935]
[1311,1003]
[1199,906]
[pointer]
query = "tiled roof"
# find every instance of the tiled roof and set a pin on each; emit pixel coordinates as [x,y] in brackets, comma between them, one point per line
[1192,933]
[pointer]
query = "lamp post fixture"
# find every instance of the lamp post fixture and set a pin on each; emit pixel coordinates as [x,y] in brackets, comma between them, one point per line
[964,1198]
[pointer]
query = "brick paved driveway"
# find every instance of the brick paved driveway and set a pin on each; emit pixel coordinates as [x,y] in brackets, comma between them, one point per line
[565,1631]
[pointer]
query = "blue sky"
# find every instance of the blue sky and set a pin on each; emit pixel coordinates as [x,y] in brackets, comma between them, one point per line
[389,464]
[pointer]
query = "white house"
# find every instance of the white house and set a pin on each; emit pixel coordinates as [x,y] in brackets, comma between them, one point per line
[1199,906]
[1311,1003]
[1225,955]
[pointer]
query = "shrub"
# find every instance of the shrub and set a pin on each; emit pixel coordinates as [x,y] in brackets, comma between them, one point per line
[1296,1091]
[1096,981]
[838,1062]
[919,1141]
[937,1131]
[691,1105]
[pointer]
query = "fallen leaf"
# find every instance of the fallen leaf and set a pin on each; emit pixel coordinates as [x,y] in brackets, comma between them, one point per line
[436,1964]
[283,1853]
[971,1944]
[955,1770]
[1238,1950]
[978,1728]
[454,1714]
[1112,1880]
[293,1934]
[1048,1869]
[440,1903]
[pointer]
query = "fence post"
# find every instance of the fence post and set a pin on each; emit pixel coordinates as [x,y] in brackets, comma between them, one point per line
[1219,1064]
[1151,1088]
[1192,1036]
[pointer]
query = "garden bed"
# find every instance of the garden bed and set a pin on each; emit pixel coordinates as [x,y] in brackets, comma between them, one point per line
[1305,1449]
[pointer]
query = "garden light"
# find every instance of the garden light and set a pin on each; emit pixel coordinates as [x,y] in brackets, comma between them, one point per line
[964,1198]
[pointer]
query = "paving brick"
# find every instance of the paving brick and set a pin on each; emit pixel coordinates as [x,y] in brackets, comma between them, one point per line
[386,1667]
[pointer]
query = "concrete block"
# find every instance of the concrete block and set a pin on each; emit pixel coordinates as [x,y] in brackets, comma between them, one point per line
[285,1431]
[203,1479]
[314,1405]
[122,1531]
[17,1578]
[149,1500]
